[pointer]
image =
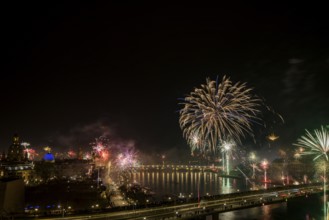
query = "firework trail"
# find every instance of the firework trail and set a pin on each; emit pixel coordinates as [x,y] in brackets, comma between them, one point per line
[217,112]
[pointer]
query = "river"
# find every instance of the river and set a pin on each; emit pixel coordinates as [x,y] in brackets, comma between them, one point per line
[301,208]
[210,183]
[189,183]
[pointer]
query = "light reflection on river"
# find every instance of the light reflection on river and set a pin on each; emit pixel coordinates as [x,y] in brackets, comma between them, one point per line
[187,182]
[175,182]
[300,208]
[267,212]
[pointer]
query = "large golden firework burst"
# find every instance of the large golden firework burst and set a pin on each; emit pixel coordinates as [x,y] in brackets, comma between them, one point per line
[217,112]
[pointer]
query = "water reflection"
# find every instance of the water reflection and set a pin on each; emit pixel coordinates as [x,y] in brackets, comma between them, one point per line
[266,212]
[186,182]
[167,182]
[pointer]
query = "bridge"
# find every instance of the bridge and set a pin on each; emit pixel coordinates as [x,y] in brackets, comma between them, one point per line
[207,206]
[187,168]
[175,167]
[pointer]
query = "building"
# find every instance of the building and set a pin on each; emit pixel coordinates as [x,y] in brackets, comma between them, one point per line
[15,151]
[16,164]
[49,157]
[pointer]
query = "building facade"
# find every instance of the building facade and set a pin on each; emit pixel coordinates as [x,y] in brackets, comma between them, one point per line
[16,163]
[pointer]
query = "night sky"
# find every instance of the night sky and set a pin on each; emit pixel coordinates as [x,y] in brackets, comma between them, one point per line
[75,71]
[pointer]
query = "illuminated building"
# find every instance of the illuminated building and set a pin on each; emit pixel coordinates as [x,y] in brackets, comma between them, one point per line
[15,151]
[16,164]
[49,157]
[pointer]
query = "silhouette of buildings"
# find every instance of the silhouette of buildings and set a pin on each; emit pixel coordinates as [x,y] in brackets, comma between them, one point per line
[16,163]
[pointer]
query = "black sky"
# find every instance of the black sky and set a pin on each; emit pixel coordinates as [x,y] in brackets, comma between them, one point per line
[73,71]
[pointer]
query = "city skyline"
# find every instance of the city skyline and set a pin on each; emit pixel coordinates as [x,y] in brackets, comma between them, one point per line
[75,72]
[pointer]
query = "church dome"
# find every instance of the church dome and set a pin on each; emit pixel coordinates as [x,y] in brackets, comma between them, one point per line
[49,157]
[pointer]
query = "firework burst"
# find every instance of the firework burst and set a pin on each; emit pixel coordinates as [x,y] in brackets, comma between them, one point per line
[298,153]
[30,153]
[127,160]
[47,149]
[87,156]
[101,149]
[316,144]
[217,112]
[272,137]
[99,145]
[320,166]
[126,164]
[71,154]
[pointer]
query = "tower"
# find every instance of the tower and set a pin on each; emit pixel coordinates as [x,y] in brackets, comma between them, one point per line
[15,151]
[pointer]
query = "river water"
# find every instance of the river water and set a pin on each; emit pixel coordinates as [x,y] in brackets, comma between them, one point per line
[191,183]
[301,208]
[187,183]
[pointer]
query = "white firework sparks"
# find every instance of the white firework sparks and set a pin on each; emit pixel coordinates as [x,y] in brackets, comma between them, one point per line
[315,144]
[217,112]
